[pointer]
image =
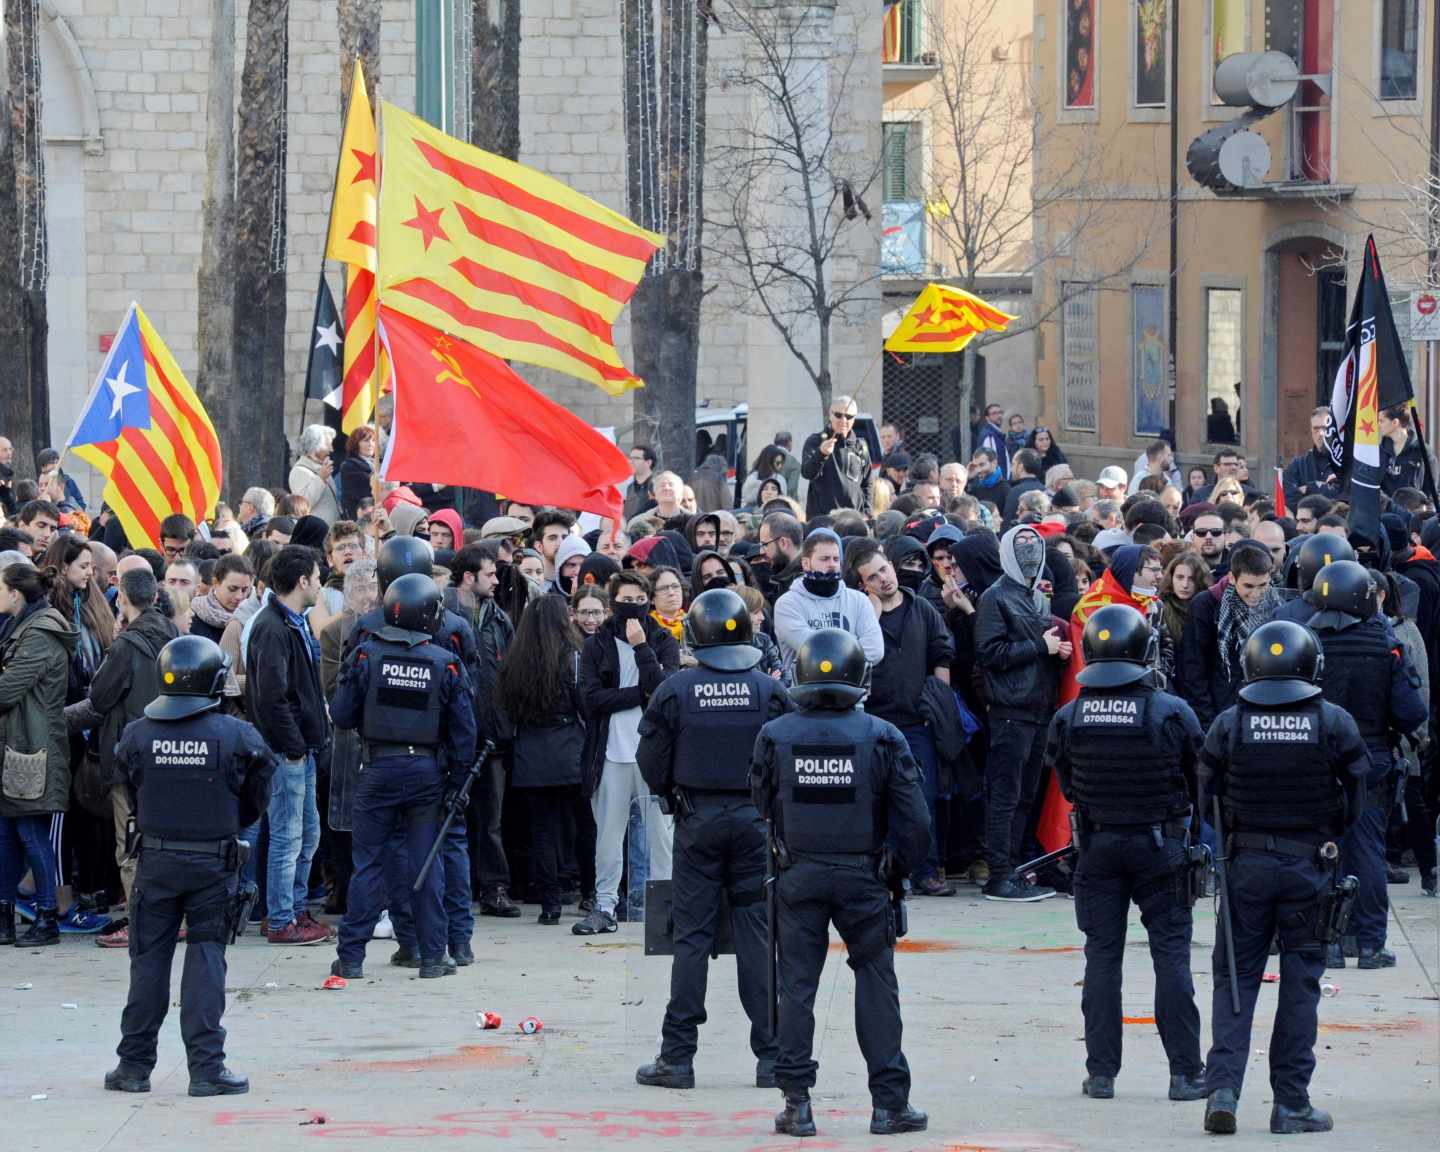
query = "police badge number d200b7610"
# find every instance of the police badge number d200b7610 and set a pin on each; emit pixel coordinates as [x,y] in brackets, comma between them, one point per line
[824,775]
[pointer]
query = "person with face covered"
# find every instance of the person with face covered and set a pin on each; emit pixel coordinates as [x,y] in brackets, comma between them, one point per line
[569,556]
[820,600]
[1133,579]
[1020,651]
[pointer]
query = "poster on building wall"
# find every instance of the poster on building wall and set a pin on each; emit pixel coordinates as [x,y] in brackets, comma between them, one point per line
[1227,35]
[1147,359]
[1080,53]
[1079,370]
[1152,19]
[902,238]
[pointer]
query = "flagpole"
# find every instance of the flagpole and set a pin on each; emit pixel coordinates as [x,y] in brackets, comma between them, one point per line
[375,328]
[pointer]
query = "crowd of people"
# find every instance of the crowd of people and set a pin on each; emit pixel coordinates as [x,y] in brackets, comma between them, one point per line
[966,582]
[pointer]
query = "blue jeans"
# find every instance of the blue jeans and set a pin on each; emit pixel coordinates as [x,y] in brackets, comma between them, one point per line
[922,747]
[294,835]
[26,839]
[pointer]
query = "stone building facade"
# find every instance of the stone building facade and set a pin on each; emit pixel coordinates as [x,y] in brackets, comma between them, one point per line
[125,84]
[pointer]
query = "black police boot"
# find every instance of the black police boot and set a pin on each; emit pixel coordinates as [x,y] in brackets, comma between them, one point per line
[1098,1087]
[1220,1112]
[1334,956]
[339,967]
[45,930]
[797,1119]
[893,1121]
[7,924]
[765,1074]
[1290,1121]
[499,904]
[1188,1087]
[1375,958]
[225,1083]
[663,1075]
[122,1079]
[462,954]
[433,970]
[1396,875]
[404,957]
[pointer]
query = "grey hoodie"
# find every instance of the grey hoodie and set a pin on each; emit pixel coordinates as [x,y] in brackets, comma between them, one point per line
[1010,565]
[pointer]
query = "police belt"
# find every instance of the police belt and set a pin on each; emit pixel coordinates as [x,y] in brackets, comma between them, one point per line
[840,859]
[1171,829]
[165,844]
[378,749]
[715,793]
[1265,842]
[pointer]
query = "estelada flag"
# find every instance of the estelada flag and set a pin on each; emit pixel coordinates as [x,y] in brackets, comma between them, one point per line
[463,417]
[944,319]
[504,257]
[353,220]
[1372,376]
[144,429]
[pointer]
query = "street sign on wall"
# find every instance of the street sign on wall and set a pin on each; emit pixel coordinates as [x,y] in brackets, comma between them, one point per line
[1424,315]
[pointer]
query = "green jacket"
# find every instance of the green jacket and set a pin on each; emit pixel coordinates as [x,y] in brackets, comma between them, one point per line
[34,671]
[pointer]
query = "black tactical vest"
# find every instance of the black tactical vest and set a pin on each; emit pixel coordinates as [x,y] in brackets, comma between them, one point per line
[1122,769]
[185,791]
[1358,662]
[1280,776]
[828,787]
[720,715]
[403,704]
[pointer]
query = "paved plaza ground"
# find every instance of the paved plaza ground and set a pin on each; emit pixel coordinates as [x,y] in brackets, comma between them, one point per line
[992,1031]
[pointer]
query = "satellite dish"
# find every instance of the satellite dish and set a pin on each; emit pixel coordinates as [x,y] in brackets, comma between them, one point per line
[1257,80]
[1229,158]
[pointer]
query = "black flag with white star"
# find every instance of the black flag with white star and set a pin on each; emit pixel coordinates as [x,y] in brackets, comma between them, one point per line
[327,339]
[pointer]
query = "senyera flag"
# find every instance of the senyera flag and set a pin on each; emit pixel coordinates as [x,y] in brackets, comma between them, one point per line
[463,417]
[504,257]
[945,319]
[144,429]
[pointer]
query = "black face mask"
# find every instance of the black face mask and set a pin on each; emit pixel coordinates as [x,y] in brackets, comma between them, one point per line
[822,584]
[623,611]
[716,582]
[911,578]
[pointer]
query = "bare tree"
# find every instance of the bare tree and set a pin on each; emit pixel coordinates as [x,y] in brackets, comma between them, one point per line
[215,285]
[793,183]
[359,40]
[260,248]
[24,267]
[984,197]
[495,77]
[665,149]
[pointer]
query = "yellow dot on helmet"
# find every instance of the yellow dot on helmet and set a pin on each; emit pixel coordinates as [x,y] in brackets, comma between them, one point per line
[825,666]
[1327,558]
[169,677]
[730,625]
[1105,634]
[1277,649]
[1325,588]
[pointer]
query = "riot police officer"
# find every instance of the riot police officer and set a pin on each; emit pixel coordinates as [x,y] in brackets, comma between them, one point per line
[1311,555]
[1368,675]
[1124,753]
[195,779]
[695,743]
[1287,767]
[835,783]
[414,708]
[400,556]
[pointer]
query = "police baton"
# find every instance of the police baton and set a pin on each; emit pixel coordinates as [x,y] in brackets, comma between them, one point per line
[459,799]
[1224,892]
[771,987]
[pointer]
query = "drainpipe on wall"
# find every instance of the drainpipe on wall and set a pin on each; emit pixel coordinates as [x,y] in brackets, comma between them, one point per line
[1174,295]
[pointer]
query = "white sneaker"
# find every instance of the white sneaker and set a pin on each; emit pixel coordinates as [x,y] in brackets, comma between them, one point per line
[384,930]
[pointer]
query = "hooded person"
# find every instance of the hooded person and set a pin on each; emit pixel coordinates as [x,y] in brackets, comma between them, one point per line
[706,524]
[568,558]
[725,576]
[942,539]
[651,552]
[684,554]
[596,569]
[310,532]
[449,519]
[1020,653]
[911,563]
[405,518]
[1131,579]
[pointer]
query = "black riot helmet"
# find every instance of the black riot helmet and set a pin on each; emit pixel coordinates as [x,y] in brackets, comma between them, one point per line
[1282,662]
[1344,594]
[718,629]
[831,672]
[414,603]
[1118,645]
[192,678]
[1319,550]
[402,554]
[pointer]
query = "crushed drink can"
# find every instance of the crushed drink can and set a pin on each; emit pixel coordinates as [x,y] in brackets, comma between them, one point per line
[1328,989]
[488,1020]
[530,1025]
